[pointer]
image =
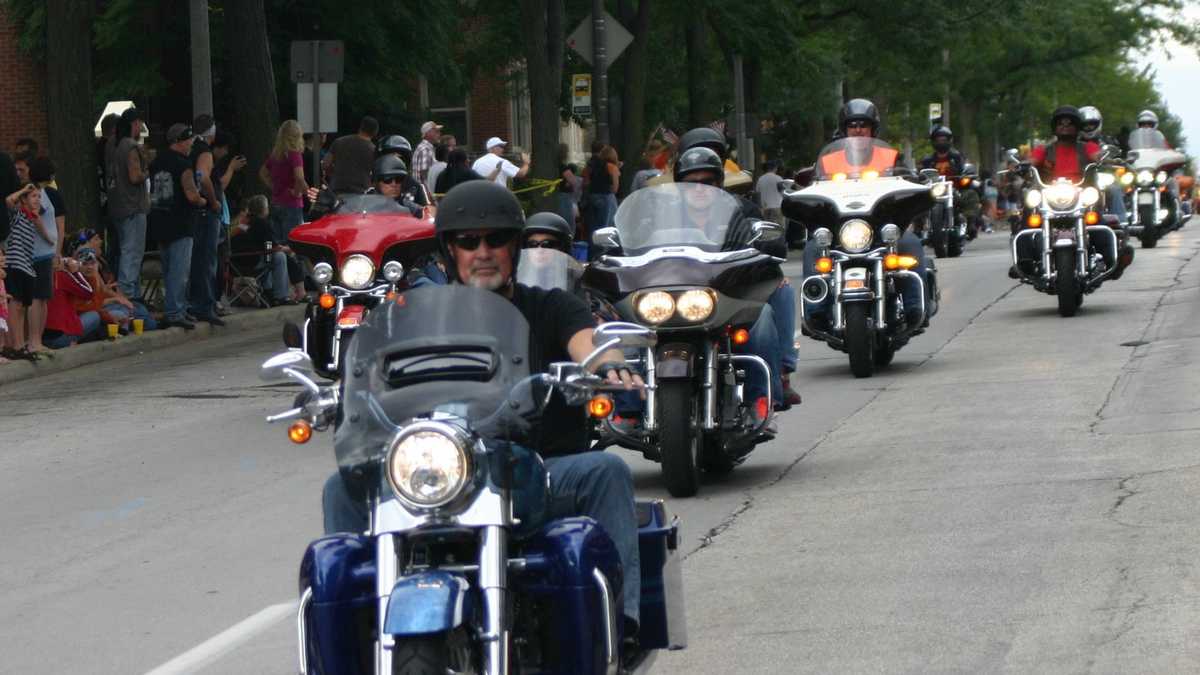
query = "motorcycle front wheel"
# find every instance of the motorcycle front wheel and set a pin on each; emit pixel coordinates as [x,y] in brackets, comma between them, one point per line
[1149,234]
[860,341]
[1067,286]
[679,440]
[435,654]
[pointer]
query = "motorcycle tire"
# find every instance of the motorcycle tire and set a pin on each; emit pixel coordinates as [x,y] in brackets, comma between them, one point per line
[939,243]
[1149,235]
[434,654]
[954,246]
[679,440]
[885,351]
[860,339]
[1066,284]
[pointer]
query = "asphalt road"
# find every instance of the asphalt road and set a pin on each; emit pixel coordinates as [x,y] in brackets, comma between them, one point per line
[1013,495]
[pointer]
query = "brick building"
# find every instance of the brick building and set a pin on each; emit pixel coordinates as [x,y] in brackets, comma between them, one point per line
[23,101]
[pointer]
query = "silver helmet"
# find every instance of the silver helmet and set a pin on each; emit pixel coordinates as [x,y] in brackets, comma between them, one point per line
[1093,122]
[1147,117]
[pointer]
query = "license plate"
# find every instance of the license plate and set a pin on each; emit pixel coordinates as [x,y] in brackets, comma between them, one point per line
[855,283]
[1145,198]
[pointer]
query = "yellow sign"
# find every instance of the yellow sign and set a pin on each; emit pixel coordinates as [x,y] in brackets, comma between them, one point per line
[581,94]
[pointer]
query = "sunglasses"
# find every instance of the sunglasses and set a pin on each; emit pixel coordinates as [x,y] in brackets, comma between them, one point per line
[392,180]
[496,239]
[1065,123]
[544,243]
[858,124]
[86,258]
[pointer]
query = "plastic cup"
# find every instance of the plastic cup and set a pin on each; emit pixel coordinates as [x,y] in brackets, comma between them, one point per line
[112,331]
[138,326]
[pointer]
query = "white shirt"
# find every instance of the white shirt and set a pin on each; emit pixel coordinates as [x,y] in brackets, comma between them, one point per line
[769,196]
[485,165]
[434,172]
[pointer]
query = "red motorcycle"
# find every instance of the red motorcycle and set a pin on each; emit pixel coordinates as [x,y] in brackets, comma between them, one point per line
[360,253]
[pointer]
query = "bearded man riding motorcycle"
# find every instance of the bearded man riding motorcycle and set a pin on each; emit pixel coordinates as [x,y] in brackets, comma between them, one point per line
[479,228]
[859,118]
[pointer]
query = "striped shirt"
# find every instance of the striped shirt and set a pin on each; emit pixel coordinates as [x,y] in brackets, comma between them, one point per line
[422,160]
[19,247]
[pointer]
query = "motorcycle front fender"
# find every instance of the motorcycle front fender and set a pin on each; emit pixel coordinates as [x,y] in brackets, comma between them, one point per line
[433,601]
[675,361]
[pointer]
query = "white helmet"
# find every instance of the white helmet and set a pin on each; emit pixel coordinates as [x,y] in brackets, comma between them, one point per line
[1093,122]
[1147,117]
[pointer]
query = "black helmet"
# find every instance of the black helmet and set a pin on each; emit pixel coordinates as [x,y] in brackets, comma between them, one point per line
[699,159]
[476,205]
[1068,111]
[548,222]
[396,144]
[858,109]
[389,166]
[704,137]
[941,130]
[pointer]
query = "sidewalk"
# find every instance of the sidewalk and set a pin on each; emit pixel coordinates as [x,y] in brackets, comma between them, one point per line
[95,352]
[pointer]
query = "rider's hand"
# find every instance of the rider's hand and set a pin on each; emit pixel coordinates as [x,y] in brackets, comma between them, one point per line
[618,375]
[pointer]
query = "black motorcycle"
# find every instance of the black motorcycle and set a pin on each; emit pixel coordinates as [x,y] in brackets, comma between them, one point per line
[681,262]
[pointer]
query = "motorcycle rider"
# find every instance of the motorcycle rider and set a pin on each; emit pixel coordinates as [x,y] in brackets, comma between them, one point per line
[1092,129]
[478,229]
[389,178]
[945,158]
[859,118]
[548,230]
[774,343]
[399,146]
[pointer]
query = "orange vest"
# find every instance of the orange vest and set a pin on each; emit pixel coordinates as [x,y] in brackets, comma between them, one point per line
[881,160]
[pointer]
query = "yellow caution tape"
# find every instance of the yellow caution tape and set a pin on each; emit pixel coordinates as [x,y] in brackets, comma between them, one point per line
[547,186]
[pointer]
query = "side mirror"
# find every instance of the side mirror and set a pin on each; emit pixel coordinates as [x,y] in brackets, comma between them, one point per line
[804,177]
[930,174]
[629,335]
[293,364]
[765,230]
[786,185]
[606,237]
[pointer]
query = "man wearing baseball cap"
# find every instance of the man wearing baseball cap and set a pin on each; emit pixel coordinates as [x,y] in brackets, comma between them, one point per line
[175,205]
[422,159]
[494,166]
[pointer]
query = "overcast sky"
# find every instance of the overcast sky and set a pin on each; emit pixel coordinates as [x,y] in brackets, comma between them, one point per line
[1178,74]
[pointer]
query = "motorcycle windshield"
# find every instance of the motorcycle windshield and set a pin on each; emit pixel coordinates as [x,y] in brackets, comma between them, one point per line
[547,268]
[369,203]
[452,350]
[675,214]
[851,157]
[1147,139]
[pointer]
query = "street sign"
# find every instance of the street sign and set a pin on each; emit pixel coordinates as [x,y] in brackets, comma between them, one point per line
[935,111]
[616,38]
[327,102]
[581,94]
[331,60]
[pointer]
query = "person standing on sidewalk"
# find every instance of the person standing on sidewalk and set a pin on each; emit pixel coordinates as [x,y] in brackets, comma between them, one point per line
[351,159]
[175,204]
[129,200]
[770,199]
[284,172]
[207,226]
[495,167]
[423,157]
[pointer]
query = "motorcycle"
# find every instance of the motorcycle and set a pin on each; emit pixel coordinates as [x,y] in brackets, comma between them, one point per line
[460,570]
[859,272]
[370,240]
[948,231]
[665,268]
[1154,210]
[1063,219]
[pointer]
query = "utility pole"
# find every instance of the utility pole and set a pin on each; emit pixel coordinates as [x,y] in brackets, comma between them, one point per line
[745,157]
[201,59]
[946,87]
[600,70]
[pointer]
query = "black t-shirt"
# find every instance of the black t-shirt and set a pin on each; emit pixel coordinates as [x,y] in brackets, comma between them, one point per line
[599,179]
[56,200]
[199,147]
[171,213]
[353,158]
[253,240]
[554,316]
[453,175]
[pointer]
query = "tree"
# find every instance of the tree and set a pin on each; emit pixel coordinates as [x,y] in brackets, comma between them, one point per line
[70,114]
[545,40]
[252,81]
[633,86]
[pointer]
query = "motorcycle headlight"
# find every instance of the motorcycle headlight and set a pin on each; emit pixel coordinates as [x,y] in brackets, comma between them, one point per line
[357,272]
[428,464]
[1104,180]
[1061,196]
[393,271]
[1160,177]
[1127,178]
[938,190]
[822,237]
[696,305]
[655,307]
[1145,177]
[1033,199]
[855,236]
[1089,196]
[322,273]
[890,234]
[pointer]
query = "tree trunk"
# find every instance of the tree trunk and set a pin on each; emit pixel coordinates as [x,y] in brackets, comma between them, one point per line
[544,45]
[966,133]
[252,85]
[633,92]
[697,75]
[69,108]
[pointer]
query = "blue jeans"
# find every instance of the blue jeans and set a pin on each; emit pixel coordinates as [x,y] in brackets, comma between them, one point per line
[177,265]
[205,230]
[783,304]
[122,313]
[132,235]
[91,326]
[909,244]
[277,277]
[1115,201]
[594,484]
[284,219]
[765,343]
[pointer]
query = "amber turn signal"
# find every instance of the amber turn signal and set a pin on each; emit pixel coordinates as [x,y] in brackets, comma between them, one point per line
[1035,220]
[600,407]
[299,432]
[741,336]
[327,301]
[1091,217]
[824,265]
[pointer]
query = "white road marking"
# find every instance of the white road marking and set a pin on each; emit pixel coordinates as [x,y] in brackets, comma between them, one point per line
[225,641]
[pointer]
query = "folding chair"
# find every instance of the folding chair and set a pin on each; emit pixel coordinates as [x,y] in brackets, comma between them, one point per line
[152,279]
[245,274]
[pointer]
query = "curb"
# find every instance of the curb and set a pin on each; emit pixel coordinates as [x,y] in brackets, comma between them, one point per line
[95,352]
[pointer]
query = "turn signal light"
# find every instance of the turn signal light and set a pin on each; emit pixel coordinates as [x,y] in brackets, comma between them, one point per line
[740,336]
[824,265]
[299,432]
[964,182]
[391,295]
[600,407]
[894,261]
[870,174]
[1035,220]
[327,301]
[1091,217]
[839,176]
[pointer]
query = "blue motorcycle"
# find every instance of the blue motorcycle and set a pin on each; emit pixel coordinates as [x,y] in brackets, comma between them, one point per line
[461,571]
